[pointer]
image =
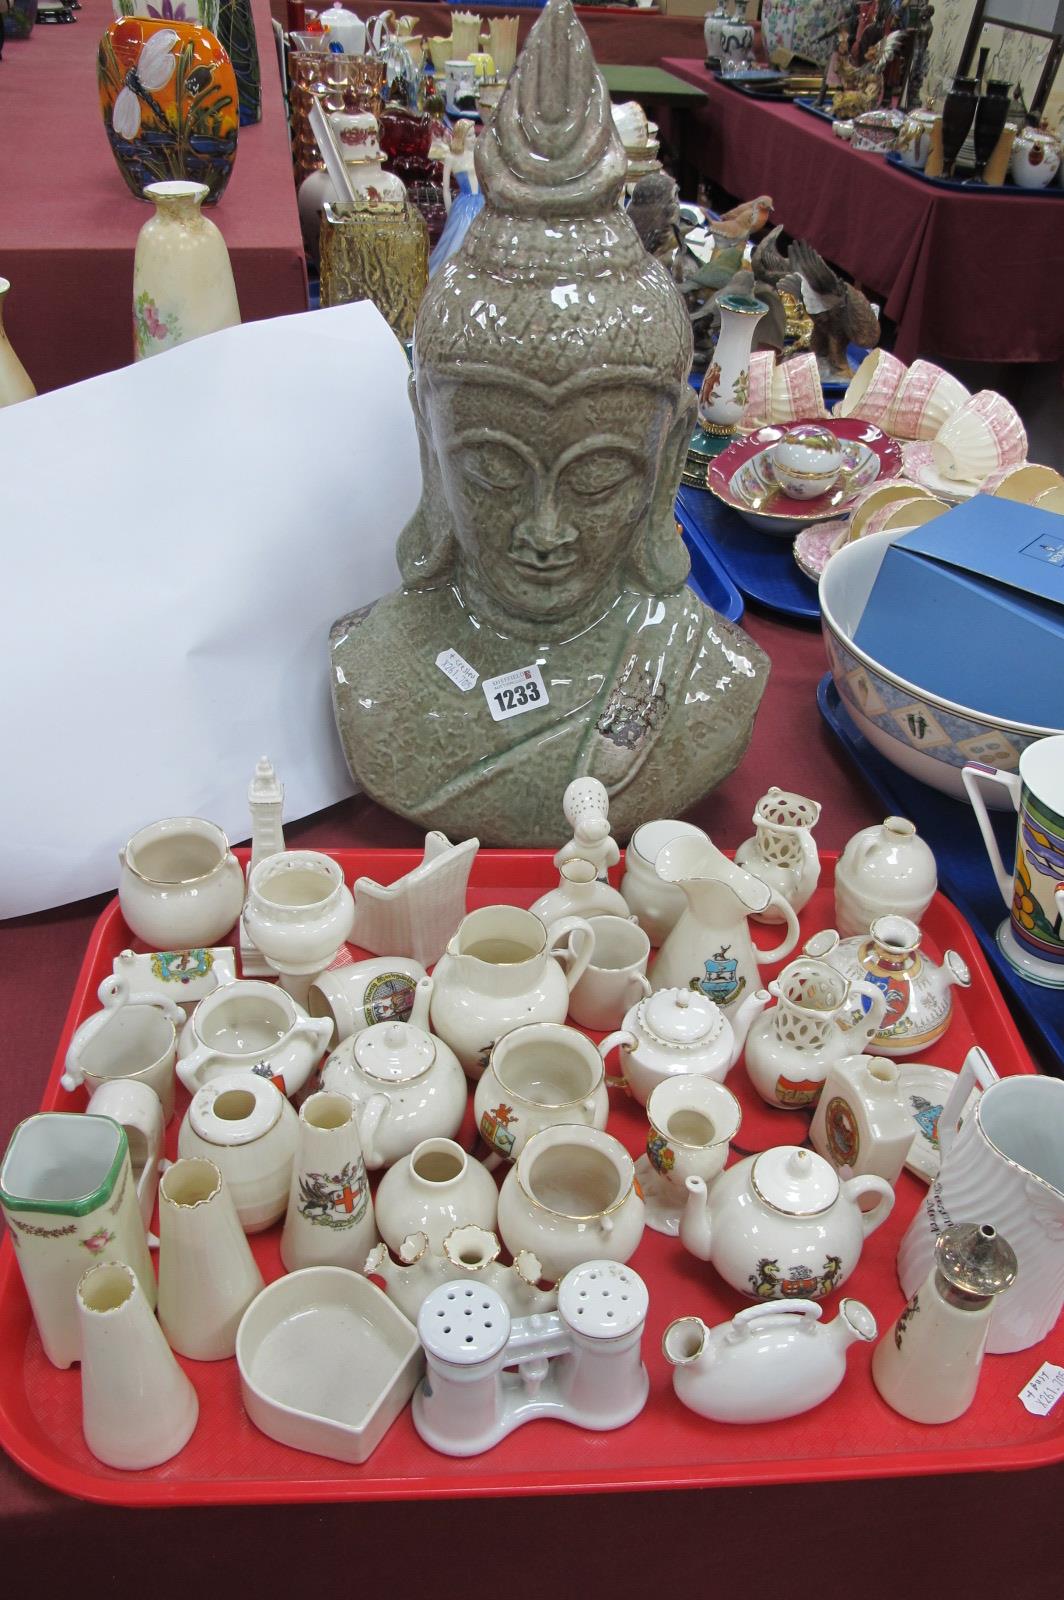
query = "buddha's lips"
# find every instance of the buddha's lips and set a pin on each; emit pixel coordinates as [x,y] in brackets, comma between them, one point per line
[557,561]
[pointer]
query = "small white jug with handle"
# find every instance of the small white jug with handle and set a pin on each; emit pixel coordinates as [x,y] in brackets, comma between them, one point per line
[1003,1165]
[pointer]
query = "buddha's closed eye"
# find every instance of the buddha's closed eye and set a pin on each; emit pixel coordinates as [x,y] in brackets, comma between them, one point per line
[598,473]
[493,466]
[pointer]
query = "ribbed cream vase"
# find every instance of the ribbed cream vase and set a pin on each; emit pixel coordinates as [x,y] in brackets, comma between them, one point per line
[207,1273]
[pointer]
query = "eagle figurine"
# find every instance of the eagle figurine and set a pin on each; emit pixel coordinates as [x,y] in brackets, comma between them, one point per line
[840,313]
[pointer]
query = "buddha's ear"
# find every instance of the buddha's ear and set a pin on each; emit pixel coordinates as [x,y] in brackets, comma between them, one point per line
[425,548]
[661,563]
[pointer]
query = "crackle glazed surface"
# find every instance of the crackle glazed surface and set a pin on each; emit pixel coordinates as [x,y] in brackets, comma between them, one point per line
[550,394]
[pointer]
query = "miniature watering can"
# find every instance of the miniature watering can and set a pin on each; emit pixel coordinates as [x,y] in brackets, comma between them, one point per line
[710,948]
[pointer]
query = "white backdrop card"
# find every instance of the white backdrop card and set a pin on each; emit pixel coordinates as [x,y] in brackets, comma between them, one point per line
[178,537]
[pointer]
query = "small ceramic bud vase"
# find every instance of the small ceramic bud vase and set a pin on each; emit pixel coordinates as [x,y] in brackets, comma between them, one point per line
[245,1125]
[726,386]
[692,1122]
[15,383]
[330,1214]
[927,1366]
[182,278]
[433,1190]
[137,1406]
[861,1122]
[580,893]
[207,1274]
[299,912]
[885,868]
[782,852]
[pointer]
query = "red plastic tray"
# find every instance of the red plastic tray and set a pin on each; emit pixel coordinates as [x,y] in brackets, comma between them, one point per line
[854,1435]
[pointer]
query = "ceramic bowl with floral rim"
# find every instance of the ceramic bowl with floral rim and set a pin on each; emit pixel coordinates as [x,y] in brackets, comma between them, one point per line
[743,477]
[922,733]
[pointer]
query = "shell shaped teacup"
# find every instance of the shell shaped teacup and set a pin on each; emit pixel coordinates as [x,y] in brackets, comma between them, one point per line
[985,435]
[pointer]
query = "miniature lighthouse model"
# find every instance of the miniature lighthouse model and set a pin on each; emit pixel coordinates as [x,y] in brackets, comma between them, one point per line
[265,802]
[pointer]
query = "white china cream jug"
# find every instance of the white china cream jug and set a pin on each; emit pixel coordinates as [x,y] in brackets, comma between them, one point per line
[1003,1166]
[407,1085]
[790,1049]
[503,969]
[783,852]
[710,948]
[782,1225]
[677,1032]
[768,1362]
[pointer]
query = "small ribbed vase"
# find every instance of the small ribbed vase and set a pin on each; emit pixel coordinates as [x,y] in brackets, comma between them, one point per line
[15,381]
[137,1406]
[182,278]
[207,1274]
[330,1213]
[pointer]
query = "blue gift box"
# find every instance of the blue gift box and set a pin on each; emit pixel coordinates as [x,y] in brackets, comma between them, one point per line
[971,607]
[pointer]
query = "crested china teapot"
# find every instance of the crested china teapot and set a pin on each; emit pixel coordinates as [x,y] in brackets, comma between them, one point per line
[503,968]
[768,1362]
[919,1001]
[782,1225]
[710,948]
[407,1085]
[790,1050]
[679,1031]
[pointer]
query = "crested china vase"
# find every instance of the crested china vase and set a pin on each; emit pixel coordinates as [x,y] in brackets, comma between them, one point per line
[433,1191]
[917,991]
[182,278]
[248,1129]
[861,1122]
[15,382]
[329,1222]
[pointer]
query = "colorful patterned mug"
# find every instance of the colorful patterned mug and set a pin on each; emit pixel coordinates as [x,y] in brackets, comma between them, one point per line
[1032,936]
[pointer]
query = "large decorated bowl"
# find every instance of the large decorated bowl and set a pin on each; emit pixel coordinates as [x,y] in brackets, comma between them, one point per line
[926,736]
[743,475]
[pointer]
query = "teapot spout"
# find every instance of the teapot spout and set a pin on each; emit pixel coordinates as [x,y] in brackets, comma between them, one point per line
[695,1230]
[419,1011]
[744,1019]
[853,1322]
[955,971]
[685,1343]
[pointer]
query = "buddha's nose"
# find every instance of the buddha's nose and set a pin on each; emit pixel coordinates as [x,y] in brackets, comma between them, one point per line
[544,538]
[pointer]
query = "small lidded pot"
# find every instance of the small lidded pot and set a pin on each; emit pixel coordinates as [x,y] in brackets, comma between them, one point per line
[679,1031]
[807,461]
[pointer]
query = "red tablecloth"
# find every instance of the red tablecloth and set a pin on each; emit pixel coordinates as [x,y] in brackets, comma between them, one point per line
[966,277]
[68,224]
[877,1541]
[620,35]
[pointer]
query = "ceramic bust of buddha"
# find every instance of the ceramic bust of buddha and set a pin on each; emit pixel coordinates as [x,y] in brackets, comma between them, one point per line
[550,392]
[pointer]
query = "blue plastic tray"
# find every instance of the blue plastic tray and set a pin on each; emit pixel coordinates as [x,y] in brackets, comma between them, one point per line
[708,578]
[964,873]
[1052,192]
[760,566]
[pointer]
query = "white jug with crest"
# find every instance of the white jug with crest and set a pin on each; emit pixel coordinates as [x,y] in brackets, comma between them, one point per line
[710,948]
[1004,1166]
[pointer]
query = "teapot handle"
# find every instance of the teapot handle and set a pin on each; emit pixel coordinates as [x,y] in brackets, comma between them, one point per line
[560,946]
[877,1010]
[370,1114]
[790,937]
[627,1041]
[870,1183]
[746,1322]
[976,1072]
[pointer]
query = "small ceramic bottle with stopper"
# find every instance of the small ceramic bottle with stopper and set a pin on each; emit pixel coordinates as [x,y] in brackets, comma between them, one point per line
[885,868]
[927,1365]
[861,1121]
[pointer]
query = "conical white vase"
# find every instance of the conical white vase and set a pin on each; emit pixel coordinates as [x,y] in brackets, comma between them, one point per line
[182,277]
[330,1213]
[137,1406]
[207,1273]
[15,381]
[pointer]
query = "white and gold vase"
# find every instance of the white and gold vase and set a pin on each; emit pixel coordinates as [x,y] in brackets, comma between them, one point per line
[182,277]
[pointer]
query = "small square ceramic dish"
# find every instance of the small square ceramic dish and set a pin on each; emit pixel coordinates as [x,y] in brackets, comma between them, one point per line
[326,1362]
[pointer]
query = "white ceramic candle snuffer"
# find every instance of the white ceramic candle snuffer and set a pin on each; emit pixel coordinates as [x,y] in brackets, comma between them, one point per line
[502,969]
[782,1224]
[299,912]
[180,885]
[767,1363]
[406,1083]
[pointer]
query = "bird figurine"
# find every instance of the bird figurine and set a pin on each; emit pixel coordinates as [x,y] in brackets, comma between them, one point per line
[841,314]
[654,211]
[861,87]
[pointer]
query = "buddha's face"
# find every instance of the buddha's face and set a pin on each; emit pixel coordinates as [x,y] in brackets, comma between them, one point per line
[548,489]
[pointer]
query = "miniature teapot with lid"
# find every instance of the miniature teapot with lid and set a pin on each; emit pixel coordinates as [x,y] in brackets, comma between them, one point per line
[918,993]
[782,1225]
[679,1031]
[790,1050]
[407,1085]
